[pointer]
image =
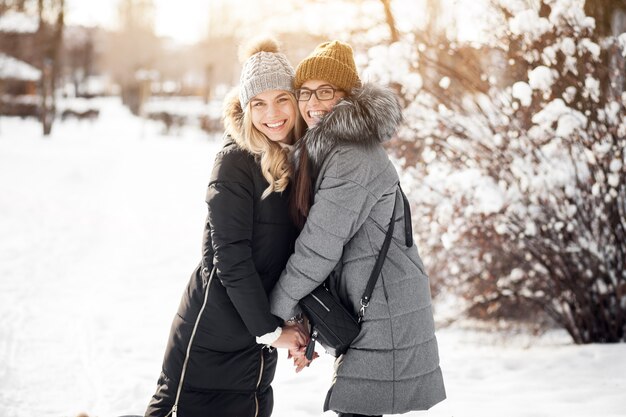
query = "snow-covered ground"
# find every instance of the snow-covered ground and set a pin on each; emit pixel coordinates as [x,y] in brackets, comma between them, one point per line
[100,227]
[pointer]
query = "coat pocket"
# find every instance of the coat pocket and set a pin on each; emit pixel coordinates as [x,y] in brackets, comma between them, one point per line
[221,328]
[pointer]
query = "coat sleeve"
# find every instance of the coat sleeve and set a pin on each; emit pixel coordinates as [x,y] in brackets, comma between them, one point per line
[230,204]
[340,208]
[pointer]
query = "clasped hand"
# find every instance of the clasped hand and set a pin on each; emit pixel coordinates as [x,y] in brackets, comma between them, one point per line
[295,337]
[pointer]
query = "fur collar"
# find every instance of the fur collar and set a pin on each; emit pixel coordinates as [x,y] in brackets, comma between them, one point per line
[370,116]
[232,115]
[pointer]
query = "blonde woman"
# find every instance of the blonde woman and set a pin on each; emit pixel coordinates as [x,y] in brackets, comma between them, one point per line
[219,359]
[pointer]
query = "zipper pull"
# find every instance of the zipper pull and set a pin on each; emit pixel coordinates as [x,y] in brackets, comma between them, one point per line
[310,347]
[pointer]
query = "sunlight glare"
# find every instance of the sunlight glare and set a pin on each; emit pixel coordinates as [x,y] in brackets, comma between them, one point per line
[185,20]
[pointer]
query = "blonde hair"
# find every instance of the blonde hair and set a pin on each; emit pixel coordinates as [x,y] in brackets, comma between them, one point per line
[275,165]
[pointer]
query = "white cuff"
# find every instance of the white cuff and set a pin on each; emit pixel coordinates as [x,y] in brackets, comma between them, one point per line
[269,338]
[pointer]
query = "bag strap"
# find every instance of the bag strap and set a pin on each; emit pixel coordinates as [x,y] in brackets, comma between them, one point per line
[378,266]
[408,228]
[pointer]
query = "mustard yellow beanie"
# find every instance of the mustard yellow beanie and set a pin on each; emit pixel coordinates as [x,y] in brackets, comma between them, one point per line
[331,61]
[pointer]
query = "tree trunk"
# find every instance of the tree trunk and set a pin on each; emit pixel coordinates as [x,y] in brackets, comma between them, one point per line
[45,71]
[55,53]
[50,46]
[391,21]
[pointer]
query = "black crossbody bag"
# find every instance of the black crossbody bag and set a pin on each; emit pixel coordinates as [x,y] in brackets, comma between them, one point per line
[332,324]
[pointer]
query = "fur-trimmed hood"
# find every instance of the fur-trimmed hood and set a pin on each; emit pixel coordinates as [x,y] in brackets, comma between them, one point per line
[370,116]
[232,116]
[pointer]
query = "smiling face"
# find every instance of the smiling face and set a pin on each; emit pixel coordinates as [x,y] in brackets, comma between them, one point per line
[314,109]
[273,114]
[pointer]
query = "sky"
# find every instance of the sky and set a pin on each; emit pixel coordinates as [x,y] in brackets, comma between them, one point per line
[182,20]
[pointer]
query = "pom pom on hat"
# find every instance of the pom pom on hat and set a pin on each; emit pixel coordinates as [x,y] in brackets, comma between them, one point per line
[264,68]
[266,44]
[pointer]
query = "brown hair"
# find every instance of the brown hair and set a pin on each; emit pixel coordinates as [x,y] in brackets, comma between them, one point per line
[332,62]
[302,192]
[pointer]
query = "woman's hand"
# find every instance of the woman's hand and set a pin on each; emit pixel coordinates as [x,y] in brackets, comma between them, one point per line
[299,358]
[299,354]
[291,337]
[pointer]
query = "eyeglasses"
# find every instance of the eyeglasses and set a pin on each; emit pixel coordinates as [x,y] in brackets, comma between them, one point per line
[322,94]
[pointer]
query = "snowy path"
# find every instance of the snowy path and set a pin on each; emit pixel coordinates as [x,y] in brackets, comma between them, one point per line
[100,227]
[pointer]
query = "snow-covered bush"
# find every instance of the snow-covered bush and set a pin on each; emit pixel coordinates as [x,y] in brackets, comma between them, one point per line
[520,189]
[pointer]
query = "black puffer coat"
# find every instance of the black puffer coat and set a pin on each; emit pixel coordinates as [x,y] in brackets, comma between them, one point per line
[247,242]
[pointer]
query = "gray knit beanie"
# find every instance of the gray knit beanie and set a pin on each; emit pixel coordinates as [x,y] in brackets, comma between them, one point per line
[265,68]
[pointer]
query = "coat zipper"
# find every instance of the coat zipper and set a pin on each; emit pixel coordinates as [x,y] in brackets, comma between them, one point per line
[258,384]
[174,409]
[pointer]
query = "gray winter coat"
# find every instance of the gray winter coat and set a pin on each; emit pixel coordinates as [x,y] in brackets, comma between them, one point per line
[393,365]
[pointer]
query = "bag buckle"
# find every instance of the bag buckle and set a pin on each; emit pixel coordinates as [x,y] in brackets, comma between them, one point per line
[364,304]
